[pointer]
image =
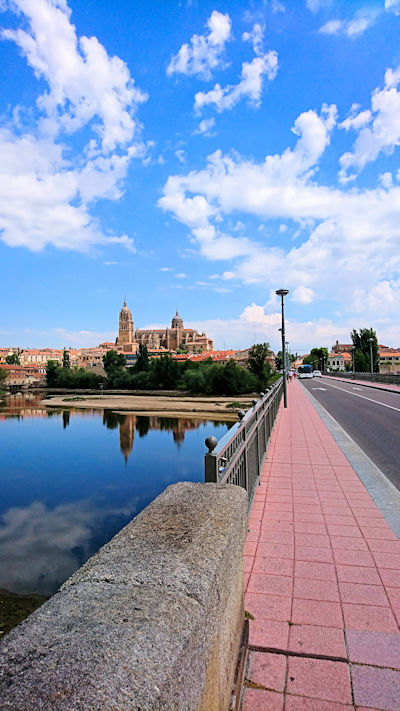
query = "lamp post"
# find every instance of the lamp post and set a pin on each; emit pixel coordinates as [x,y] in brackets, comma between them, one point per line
[282,293]
[353,350]
[370,341]
[287,356]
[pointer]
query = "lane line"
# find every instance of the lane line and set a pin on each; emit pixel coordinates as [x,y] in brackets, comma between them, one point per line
[363,397]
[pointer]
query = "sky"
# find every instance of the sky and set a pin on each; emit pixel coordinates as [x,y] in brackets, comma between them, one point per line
[197,156]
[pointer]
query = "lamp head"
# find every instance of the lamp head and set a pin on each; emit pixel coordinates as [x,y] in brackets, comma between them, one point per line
[282,292]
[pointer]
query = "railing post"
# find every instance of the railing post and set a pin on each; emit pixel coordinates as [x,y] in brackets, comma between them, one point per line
[211,468]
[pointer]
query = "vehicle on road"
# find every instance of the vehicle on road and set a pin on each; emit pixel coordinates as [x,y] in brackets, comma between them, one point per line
[305,371]
[317,374]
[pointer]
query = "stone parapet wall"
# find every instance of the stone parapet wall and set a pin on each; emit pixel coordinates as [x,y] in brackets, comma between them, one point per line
[152,622]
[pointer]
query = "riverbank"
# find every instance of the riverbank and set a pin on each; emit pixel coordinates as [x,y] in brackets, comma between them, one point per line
[215,408]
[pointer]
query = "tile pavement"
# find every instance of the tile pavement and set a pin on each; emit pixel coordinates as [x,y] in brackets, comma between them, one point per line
[322,579]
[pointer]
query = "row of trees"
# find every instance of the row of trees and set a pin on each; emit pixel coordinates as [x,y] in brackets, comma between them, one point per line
[165,373]
[362,341]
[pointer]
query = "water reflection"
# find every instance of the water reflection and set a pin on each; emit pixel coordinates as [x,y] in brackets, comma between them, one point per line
[66,489]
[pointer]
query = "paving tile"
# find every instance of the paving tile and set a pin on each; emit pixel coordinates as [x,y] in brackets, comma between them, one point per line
[269,633]
[279,515]
[268,536]
[317,612]
[273,566]
[384,546]
[268,607]
[250,548]
[272,525]
[348,543]
[300,703]
[319,679]
[258,700]
[304,527]
[340,520]
[316,590]
[379,533]
[377,688]
[351,531]
[363,594]
[358,574]
[314,570]
[270,584]
[267,669]
[312,639]
[320,555]
[387,560]
[348,557]
[247,563]
[312,539]
[275,550]
[369,617]
[308,517]
[378,649]
[390,578]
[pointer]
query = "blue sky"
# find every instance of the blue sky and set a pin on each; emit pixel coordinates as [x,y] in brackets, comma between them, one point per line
[199,156]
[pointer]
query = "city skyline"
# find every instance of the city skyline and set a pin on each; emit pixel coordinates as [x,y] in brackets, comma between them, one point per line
[199,156]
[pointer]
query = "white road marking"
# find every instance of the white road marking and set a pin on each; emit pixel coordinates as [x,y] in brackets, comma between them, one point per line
[363,397]
[355,388]
[318,388]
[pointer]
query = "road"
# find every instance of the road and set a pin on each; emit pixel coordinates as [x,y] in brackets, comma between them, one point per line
[370,416]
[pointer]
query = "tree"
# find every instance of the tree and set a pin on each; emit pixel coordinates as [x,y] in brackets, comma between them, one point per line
[165,373]
[362,353]
[66,360]
[113,361]
[318,358]
[3,376]
[52,373]
[257,357]
[13,359]
[142,362]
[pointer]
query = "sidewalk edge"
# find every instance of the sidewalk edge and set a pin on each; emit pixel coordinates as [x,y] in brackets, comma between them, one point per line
[383,492]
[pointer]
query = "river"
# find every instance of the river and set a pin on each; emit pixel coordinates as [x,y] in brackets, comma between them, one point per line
[71,479]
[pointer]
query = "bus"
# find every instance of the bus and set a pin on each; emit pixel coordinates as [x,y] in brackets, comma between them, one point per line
[305,371]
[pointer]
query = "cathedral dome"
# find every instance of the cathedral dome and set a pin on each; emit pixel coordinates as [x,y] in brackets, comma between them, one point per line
[177,321]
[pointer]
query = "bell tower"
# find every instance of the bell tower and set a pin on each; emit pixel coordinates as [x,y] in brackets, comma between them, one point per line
[126,329]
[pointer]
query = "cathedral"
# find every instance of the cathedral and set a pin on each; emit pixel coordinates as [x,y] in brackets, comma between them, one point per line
[161,338]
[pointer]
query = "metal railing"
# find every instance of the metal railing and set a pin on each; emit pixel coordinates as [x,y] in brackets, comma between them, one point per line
[390,378]
[237,458]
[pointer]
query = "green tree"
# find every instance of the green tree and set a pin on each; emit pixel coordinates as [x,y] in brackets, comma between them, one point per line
[52,373]
[165,373]
[143,361]
[13,359]
[3,376]
[362,353]
[66,363]
[257,357]
[318,358]
[113,361]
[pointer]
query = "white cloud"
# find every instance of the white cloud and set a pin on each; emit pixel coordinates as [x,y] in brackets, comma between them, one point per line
[393,6]
[206,126]
[357,231]
[303,295]
[45,197]
[362,20]
[316,5]
[383,133]
[204,53]
[250,85]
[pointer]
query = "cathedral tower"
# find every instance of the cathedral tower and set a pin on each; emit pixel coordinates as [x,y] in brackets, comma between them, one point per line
[126,330]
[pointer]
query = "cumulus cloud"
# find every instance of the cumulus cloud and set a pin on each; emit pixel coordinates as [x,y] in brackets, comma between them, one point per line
[362,20]
[206,126]
[379,128]
[45,196]
[204,53]
[251,83]
[358,231]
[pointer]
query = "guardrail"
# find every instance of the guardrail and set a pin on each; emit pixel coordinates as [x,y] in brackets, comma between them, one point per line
[237,458]
[375,378]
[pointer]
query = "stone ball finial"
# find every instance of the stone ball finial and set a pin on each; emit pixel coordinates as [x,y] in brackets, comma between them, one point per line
[241,414]
[211,443]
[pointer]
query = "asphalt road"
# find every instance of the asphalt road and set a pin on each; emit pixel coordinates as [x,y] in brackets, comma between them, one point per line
[370,416]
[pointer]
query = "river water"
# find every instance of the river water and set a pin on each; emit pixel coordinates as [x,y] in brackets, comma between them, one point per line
[71,479]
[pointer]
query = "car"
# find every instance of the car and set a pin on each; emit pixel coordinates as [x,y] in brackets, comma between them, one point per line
[317,374]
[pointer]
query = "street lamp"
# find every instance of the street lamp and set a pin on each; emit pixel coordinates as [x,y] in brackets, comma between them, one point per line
[370,341]
[287,356]
[282,293]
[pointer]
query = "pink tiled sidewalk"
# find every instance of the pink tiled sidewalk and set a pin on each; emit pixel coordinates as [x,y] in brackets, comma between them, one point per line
[322,579]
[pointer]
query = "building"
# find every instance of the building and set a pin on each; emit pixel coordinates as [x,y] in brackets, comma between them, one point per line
[170,339]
